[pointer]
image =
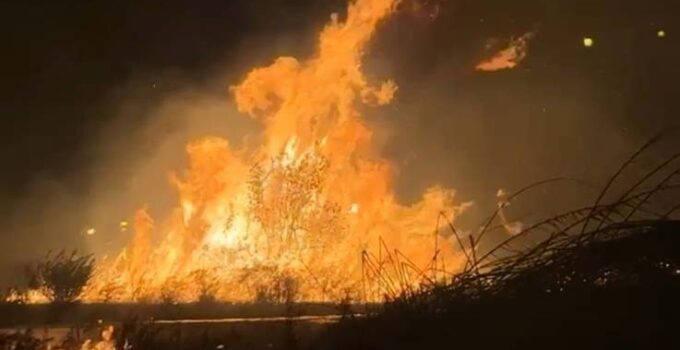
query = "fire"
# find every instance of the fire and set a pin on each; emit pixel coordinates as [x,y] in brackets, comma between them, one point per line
[509,57]
[301,213]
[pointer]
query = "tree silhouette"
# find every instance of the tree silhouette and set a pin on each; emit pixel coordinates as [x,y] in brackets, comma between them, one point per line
[62,277]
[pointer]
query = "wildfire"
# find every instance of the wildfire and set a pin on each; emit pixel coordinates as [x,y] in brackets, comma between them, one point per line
[309,214]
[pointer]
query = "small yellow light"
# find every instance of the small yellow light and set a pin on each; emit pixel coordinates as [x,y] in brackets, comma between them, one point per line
[661,34]
[588,42]
[354,208]
[91,231]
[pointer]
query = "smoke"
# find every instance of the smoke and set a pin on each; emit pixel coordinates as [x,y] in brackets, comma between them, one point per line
[130,160]
[128,156]
[480,132]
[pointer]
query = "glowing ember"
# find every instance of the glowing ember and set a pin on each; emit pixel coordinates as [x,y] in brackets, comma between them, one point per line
[588,42]
[300,215]
[509,57]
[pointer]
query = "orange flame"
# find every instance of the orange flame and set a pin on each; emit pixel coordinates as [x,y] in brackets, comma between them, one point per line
[304,210]
[509,57]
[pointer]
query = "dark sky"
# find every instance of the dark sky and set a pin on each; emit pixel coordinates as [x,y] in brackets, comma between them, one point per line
[72,71]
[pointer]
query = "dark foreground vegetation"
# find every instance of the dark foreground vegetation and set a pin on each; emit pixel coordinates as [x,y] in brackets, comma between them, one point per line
[605,276]
[599,293]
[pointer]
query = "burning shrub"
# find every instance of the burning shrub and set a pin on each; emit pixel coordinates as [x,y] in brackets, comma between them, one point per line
[170,291]
[15,295]
[108,291]
[307,197]
[208,285]
[283,290]
[61,277]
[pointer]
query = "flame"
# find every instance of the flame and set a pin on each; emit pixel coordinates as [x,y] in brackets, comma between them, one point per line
[302,211]
[509,57]
[107,341]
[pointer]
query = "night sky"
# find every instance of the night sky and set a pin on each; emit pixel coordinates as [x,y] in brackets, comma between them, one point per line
[83,82]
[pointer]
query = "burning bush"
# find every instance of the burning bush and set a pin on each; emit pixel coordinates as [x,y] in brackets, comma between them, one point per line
[207,284]
[307,198]
[61,277]
[283,290]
